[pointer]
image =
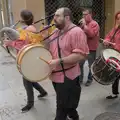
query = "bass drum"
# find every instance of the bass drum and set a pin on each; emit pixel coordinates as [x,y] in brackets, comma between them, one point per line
[32,62]
[106,68]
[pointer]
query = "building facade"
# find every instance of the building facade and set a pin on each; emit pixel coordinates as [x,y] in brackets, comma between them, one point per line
[104,10]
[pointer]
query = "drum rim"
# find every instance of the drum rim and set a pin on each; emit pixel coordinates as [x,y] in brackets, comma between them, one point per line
[23,51]
[96,78]
[104,58]
[108,48]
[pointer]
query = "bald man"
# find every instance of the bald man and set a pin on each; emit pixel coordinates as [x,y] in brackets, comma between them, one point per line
[67,50]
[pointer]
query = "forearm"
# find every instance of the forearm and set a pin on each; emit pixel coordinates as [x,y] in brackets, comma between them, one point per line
[73,58]
[90,32]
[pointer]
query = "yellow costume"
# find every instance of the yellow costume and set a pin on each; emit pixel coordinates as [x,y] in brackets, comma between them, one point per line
[34,37]
[27,35]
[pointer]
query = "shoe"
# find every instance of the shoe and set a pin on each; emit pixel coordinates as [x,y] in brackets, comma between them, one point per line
[112,97]
[81,81]
[42,95]
[68,118]
[27,108]
[88,83]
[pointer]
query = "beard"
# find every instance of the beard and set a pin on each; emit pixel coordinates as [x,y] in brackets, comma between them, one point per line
[60,26]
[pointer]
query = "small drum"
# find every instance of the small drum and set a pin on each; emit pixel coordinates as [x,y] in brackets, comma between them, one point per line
[32,62]
[106,68]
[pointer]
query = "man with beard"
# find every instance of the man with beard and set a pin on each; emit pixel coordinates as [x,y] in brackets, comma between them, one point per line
[67,50]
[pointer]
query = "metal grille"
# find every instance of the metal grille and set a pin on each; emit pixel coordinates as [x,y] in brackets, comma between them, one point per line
[76,6]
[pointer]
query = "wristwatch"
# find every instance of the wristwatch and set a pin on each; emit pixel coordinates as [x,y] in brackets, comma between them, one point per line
[61,61]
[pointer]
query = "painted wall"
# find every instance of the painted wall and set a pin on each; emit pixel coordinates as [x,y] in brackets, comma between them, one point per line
[36,6]
[109,13]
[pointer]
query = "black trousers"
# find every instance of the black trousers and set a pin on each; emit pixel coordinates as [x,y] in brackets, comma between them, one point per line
[115,86]
[29,90]
[67,98]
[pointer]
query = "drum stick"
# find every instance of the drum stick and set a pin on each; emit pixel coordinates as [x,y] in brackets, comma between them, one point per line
[107,42]
[44,60]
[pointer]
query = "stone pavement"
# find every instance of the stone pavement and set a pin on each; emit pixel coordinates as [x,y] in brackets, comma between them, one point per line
[13,97]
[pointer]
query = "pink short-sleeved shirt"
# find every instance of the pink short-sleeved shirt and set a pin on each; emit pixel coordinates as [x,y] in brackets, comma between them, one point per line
[115,40]
[92,32]
[74,41]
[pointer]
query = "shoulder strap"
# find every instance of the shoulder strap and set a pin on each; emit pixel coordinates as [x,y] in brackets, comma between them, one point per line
[59,54]
[60,34]
[59,51]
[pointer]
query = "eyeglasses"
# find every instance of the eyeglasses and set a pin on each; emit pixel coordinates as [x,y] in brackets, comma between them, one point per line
[84,14]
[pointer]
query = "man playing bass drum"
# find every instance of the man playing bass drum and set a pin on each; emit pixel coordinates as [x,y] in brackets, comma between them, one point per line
[114,37]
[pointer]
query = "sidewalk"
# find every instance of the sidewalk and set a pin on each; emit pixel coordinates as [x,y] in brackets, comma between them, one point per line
[13,97]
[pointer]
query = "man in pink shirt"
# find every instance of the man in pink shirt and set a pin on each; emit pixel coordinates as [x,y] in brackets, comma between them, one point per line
[67,50]
[91,28]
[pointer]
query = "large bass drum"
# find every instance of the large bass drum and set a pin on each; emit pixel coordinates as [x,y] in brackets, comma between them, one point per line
[32,62]
[106,68]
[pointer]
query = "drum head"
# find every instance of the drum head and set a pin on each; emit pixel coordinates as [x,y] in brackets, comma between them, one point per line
[108,53]
[32,67]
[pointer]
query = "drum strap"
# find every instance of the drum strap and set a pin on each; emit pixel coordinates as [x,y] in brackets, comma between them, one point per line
[56,38]
[62,70]
[59,53]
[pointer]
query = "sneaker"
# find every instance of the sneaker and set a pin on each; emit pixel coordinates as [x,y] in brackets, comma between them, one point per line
[112,97]
[68,118]
[81,81]
[27,108]
[42,95]
[88,83]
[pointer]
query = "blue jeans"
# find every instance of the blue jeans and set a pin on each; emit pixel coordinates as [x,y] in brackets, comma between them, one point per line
[91,58]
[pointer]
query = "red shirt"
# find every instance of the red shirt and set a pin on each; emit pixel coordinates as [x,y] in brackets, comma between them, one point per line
[92,32]
[115,40]
[74,41]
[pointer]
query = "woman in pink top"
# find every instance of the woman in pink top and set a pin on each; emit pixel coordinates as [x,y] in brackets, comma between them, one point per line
[114,37]
[27,18]
[67,50]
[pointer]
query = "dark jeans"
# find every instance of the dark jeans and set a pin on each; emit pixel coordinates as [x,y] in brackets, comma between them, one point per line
[91,58]
[29,89]
[67,99]
[115,86]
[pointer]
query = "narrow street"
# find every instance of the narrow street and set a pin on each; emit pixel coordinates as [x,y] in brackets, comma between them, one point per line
[13,97]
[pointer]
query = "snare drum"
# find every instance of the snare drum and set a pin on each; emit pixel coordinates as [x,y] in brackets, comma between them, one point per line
[106,68]
[32,62]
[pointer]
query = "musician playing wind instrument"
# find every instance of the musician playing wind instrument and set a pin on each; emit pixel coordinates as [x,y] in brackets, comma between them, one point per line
[91,29]
[27,19]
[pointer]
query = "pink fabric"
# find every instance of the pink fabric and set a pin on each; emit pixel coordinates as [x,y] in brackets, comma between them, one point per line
[92,32]
[73,41]
[17,44]
[115,40]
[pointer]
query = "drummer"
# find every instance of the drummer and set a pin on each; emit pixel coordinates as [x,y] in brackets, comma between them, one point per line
[72,45]
[27,18]
[114,37]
